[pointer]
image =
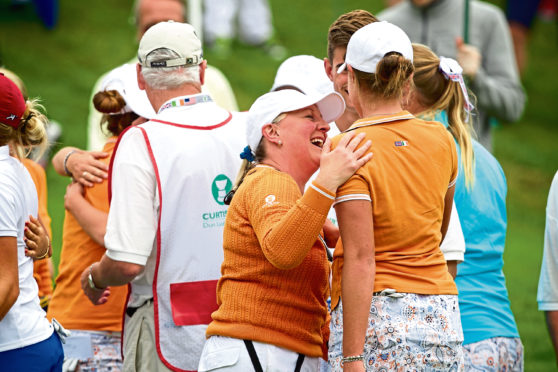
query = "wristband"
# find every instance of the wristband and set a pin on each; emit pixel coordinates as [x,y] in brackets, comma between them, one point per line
[66,170]
[90,280]
[352,358]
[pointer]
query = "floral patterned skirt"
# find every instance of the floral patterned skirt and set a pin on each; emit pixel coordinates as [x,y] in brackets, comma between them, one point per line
[408,333]
[494,355]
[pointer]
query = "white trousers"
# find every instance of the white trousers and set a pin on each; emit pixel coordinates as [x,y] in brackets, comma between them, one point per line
[230,355]
[254,20]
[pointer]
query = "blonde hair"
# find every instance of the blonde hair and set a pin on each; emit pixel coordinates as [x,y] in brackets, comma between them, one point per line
[439,94]
[392,73]
[30,133]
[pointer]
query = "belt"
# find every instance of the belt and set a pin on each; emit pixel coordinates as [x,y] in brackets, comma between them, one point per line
[389,292]
[130,311]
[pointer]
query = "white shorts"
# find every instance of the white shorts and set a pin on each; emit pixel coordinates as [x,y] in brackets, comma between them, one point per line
[230,354]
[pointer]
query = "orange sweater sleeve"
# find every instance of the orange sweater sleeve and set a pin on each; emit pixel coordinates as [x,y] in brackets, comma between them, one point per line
[282,218]
[42,268]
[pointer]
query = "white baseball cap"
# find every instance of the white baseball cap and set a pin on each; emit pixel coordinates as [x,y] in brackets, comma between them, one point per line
[305,73]
[124,80]
[178,37]
[272,104]
[371,43]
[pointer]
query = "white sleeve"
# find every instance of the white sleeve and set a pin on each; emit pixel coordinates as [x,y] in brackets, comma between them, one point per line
[133,215]
[453,246]
[8,210]
[547,294]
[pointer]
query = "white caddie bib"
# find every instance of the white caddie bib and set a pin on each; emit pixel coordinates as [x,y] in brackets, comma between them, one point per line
[195,162]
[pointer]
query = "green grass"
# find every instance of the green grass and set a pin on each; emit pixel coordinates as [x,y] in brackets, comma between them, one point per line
[62,65]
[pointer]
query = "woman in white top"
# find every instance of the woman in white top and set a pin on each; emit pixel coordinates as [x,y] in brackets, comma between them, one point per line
[27,340]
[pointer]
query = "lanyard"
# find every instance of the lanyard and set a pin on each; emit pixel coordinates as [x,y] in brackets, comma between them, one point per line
[186,101]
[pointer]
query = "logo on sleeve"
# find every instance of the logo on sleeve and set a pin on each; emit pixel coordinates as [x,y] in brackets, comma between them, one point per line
[270,200]
[401,143]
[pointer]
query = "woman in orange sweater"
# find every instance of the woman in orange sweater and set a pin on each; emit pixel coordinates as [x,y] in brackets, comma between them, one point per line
[274,285]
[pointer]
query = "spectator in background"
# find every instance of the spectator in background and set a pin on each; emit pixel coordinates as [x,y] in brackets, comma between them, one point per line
[147,14]
[491,339]
[87,205]
[165,224]
[547,295]
[520,14]
[27,339]
[254,26]
[485,52]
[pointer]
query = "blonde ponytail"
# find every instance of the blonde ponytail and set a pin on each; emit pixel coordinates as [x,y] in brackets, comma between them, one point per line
[30,133]
[438,93]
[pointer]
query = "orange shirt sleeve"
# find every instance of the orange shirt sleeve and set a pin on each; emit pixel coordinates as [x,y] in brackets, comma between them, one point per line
[286,224]
[356,187]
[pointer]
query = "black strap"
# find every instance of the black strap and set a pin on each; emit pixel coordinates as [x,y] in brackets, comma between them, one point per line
[256,361]
[253,356]
[299,362]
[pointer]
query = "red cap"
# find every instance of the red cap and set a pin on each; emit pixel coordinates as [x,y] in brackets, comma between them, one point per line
[12,104]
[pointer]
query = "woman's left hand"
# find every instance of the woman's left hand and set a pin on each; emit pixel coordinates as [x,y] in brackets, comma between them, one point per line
[339,164]
[37,242]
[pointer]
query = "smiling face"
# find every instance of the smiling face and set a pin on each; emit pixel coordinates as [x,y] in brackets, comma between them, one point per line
[340,84]
[303,133]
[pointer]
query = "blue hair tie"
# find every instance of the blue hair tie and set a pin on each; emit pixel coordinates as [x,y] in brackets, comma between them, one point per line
[247,154]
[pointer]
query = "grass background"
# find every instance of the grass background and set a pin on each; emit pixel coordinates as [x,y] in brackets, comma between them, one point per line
[61,66]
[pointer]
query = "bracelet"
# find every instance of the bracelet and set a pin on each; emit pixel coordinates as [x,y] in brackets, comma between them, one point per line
[46,253]
[352,358]
[91,281]
[66,170]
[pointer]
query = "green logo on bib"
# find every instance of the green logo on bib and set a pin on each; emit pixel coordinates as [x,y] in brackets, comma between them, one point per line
[220,187]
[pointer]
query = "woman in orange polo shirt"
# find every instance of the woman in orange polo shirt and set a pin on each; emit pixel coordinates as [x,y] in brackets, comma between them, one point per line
[395,303]
[84,229]
[274,285]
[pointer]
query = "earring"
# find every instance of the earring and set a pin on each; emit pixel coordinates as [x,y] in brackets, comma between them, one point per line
[280,143]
